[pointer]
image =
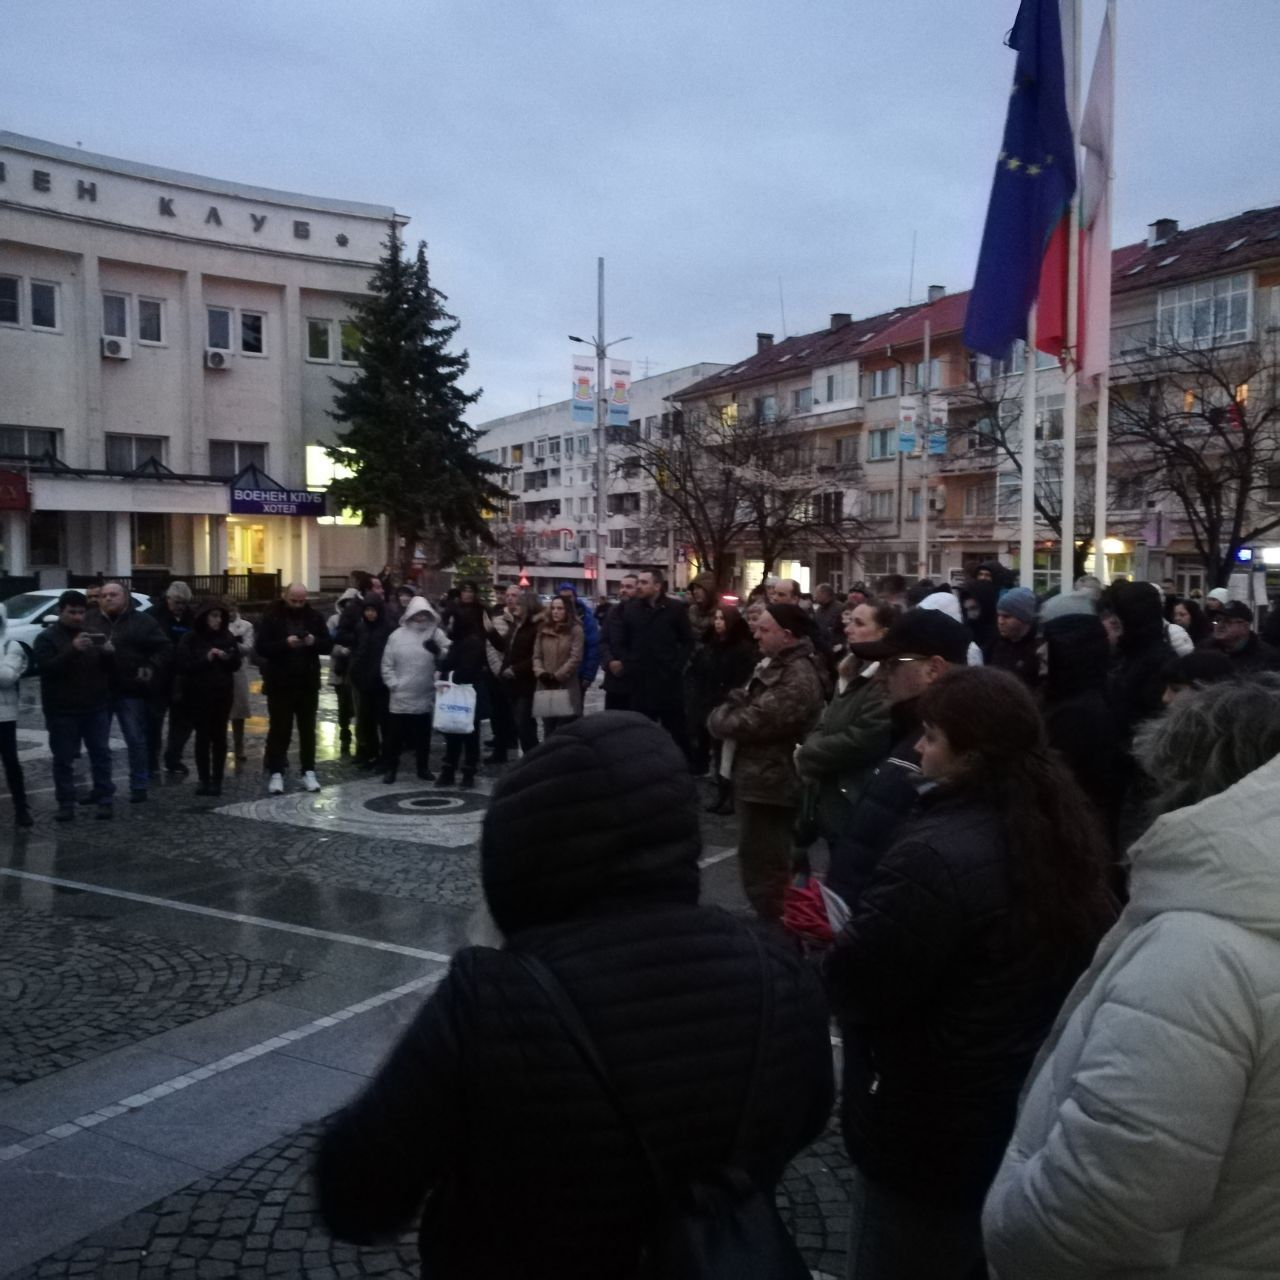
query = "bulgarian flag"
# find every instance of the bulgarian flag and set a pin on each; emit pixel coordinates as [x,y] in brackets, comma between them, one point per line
[1023,258]
[1097,127]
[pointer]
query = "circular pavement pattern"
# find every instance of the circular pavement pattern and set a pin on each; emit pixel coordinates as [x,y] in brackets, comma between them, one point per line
[71,990]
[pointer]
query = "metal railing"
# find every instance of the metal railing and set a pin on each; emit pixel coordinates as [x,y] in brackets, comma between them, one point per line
[244,588]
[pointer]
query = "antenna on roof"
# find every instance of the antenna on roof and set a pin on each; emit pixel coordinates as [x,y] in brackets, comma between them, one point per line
[911,275]
[782,307]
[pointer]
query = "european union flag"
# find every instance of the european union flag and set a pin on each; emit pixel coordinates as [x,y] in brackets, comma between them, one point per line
[1034,184]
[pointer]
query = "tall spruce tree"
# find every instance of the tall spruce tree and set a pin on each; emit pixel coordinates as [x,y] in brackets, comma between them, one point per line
[407,443]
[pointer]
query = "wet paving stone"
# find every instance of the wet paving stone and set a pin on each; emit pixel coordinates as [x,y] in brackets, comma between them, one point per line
[259,1219]
[73,989]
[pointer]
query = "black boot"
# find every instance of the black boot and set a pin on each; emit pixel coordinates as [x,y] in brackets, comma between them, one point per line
[237,741]
[22,816]
[446,776]
[722,801]
[390,776]
[468,777]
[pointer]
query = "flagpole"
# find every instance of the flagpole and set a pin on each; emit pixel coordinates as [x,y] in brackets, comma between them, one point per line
[1102,444]
[924,429]
[1071,386]
[1027,546]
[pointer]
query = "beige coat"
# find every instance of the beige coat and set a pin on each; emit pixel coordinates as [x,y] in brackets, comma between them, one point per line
[559,651]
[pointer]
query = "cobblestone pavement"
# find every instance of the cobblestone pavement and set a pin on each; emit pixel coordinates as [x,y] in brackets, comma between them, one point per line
[187,990]
[259,1219]
[72,990]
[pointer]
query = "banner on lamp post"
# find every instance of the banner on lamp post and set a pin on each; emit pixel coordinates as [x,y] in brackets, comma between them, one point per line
[619,392]
[908,424]
[583,399]
[937,430]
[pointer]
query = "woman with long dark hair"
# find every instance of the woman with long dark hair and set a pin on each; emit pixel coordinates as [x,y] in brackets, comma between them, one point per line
[724,662]
[947,978]
[1190,617]
[208,658]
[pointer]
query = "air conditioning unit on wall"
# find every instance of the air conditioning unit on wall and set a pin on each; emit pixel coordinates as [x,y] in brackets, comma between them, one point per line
[116,348]
[216,358]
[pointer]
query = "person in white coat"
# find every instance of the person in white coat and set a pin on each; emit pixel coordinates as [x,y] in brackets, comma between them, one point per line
[409,672]
[1149,1143]
[242,630]
[13,662]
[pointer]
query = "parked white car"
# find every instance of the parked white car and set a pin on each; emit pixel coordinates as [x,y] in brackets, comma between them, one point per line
[32,611]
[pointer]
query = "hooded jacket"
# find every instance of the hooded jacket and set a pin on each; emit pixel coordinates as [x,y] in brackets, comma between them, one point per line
[589,861]
[983,627]
[1147,1144]
[13,664]
[408,665]
[1137,678]
[366,640]
[208,683]
[1078,718]
[946,602]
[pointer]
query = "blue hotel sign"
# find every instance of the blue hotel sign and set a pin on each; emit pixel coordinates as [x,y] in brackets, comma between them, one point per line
[254,493]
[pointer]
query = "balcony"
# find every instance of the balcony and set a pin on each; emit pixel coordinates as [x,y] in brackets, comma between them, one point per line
[969,462]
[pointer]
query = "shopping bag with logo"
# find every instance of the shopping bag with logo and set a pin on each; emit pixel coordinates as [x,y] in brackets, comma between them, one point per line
[455,707]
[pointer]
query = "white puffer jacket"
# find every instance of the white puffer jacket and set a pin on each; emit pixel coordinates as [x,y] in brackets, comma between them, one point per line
[13,662]
[409,670]
[1149,1143]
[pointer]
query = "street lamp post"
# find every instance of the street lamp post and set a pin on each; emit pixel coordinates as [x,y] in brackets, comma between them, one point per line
[601,348]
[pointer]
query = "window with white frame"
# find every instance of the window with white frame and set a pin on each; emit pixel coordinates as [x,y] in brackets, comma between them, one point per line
[615,538]
[802,400]
[320,340]
[847,449]
[877,563]
[253,335]
[228,458]
[1205,312]
[933,373]
[27,442]
[1129,493]
[1009,495]
[913,504]
[348,342]
[115,315]
[151,321]
[884,382]
[881,443]
[766,408]
[45,312]
[838,383]
[128,453]
[10,300]
[880,504]
[980,501]
[584,445]
[218,335]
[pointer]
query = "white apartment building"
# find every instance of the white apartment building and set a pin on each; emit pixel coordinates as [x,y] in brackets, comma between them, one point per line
[159,332]
[547,534]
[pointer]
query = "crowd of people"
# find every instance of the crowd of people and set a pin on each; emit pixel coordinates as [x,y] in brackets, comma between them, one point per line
[1050,941]
[1044,835]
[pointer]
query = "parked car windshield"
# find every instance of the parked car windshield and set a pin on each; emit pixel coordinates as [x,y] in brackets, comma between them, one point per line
[20,608]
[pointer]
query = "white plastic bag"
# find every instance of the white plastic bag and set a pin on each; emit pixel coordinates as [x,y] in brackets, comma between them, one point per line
[455,707]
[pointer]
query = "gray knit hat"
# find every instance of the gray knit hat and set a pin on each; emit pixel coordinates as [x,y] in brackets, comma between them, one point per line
[1019,603]
[1070,602]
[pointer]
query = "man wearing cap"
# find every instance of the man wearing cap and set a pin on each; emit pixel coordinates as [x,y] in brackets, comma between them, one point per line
[1015,648]
[915,651]
[1233,633]
[765,722]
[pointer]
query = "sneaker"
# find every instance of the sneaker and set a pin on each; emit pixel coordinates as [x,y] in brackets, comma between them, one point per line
[310,781]
[275,786]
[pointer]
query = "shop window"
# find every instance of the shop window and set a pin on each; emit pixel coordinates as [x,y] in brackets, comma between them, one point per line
[46,537]
[150,534]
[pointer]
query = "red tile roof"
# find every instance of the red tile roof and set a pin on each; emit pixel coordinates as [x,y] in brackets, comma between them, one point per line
[1214,249]
[793,355]
[1217,248]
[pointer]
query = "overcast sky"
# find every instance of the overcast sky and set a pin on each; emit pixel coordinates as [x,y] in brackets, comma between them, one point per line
[706,148]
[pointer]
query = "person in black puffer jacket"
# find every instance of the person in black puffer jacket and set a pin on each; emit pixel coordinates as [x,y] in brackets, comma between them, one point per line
[485,1109]
[958,955]
[364,635]
[208,658]
[1077,712]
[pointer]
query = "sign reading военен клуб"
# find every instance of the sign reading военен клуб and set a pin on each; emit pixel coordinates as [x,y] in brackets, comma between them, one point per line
[275,502]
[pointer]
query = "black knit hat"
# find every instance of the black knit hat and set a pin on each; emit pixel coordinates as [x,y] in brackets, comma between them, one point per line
[601,816]
[791,617]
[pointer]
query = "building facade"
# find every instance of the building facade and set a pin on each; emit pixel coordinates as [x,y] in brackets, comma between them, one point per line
[546,534]
[159,332]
